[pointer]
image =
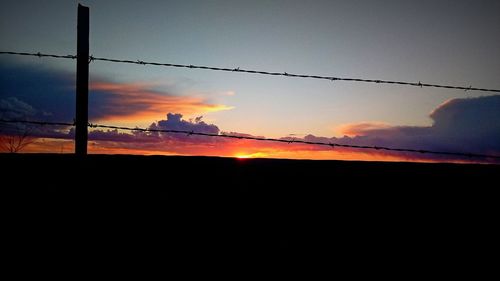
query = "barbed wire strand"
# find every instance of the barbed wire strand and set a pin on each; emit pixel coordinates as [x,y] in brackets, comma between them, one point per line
[282,140]
[286,74]
[41,123]
[40,55]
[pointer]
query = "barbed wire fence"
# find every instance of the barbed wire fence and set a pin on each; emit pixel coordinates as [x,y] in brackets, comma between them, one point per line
[241,137]
[232,136]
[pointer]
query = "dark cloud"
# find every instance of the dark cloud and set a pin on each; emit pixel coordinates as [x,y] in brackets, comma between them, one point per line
[13,108]
[117,136]
[460,125]
[49,91]
[175,122]
[52,93]
[180,143]
[472,123]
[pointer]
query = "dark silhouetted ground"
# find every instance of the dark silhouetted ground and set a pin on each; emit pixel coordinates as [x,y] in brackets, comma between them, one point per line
[178,206]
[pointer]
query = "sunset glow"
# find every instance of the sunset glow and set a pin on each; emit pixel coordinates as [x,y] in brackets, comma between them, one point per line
[252,155]
[224,68]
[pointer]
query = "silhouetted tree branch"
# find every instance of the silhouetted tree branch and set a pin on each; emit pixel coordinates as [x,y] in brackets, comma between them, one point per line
[15,139]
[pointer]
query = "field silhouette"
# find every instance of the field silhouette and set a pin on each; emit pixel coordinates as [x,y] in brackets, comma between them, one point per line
[121,204]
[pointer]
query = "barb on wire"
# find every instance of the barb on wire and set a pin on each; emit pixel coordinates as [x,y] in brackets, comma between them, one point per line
[285,74]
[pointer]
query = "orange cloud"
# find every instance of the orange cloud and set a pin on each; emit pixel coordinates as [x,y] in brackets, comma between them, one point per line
[137,102]
[360,129]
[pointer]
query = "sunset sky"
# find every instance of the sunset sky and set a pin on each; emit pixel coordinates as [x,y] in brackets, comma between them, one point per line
[441,42]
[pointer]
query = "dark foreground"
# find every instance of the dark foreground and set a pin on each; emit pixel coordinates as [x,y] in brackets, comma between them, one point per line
[127,206]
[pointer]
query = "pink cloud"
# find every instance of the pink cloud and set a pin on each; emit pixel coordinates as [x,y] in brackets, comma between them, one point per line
[362,128]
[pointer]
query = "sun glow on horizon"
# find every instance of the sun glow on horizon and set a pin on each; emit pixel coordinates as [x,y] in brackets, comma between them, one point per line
[252,155]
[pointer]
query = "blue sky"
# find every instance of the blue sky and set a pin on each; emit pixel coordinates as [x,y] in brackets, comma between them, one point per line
[449,42]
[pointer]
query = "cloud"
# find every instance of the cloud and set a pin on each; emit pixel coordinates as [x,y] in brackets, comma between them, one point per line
[460,125]
[139,102]
[52,94]
[13,108]
[472,118]
[463,125]
[359,129]
[175,122]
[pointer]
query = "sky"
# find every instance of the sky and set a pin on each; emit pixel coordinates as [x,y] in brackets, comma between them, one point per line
[441,42]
